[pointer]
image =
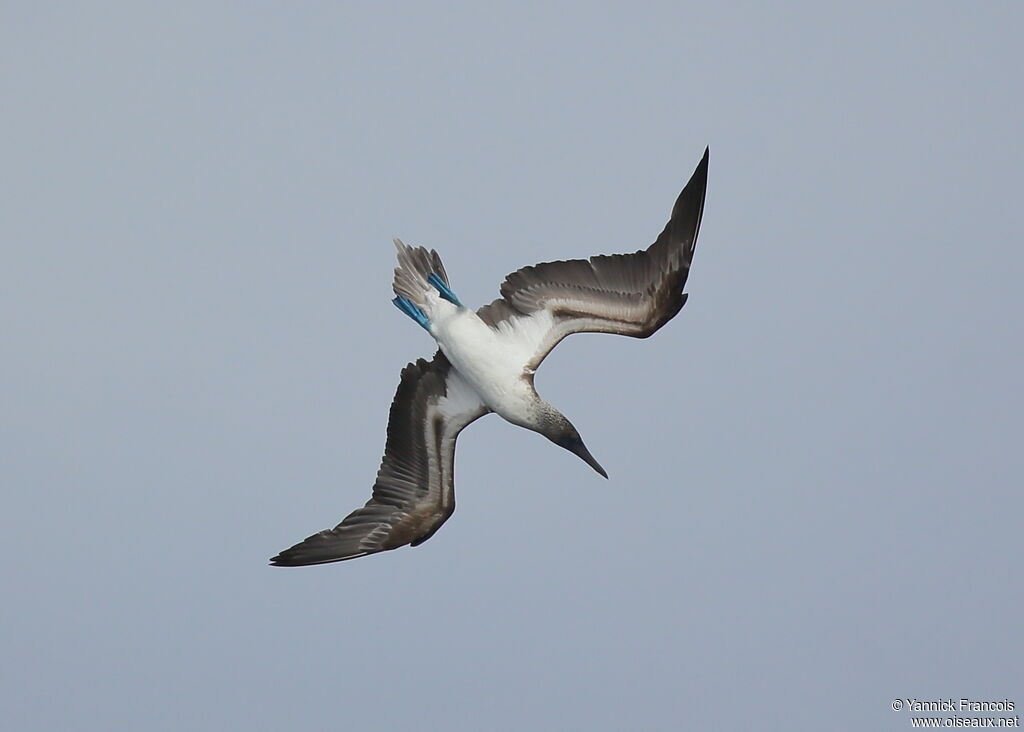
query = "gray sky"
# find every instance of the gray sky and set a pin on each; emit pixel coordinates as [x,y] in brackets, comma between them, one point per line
[815,496]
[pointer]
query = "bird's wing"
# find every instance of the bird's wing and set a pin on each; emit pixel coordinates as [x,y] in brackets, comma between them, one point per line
[627,294]
[415,490]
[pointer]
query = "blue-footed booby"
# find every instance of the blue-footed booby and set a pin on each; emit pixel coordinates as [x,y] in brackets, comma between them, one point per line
[486,362]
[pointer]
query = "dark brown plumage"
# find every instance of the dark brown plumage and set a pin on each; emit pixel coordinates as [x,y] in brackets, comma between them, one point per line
[625,294]
[414,492]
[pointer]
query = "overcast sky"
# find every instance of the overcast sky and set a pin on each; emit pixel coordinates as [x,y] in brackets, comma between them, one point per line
[815,499]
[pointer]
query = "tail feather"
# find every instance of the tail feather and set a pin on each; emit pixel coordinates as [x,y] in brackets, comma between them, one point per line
[415,266]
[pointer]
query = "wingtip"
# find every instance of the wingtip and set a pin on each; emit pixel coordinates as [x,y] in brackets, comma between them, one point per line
[286,558]
[695,190]
[291,558]
[702,166]
[280,560]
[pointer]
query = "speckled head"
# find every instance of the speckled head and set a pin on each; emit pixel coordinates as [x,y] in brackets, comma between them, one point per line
[560,431]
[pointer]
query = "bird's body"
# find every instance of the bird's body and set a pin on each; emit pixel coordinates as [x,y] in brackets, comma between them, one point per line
[486,362]
[493,361]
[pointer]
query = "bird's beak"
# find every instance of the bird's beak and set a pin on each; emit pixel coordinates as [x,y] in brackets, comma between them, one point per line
[578,448]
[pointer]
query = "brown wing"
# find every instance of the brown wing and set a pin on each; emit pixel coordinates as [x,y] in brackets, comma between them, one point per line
[627,294]
[415,491]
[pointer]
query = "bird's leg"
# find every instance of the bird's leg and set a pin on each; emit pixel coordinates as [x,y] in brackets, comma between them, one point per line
[409,308]
[445,291]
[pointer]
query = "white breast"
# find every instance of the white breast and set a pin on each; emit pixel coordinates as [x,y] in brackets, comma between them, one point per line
[493,362]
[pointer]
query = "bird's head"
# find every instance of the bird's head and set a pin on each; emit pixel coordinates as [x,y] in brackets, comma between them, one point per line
[560,431]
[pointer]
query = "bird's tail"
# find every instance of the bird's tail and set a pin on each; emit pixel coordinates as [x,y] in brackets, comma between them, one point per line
[418,272]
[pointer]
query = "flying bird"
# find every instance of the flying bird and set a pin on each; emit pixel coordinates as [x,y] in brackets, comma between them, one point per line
[486,362]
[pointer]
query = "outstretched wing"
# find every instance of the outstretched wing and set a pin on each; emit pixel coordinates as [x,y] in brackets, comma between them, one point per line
[627,294]
[415,490]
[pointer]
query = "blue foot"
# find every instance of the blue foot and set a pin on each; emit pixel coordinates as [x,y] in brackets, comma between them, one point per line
[446,293]
[407,307]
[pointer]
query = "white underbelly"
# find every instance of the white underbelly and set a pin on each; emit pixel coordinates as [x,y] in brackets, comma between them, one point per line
[491,365]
